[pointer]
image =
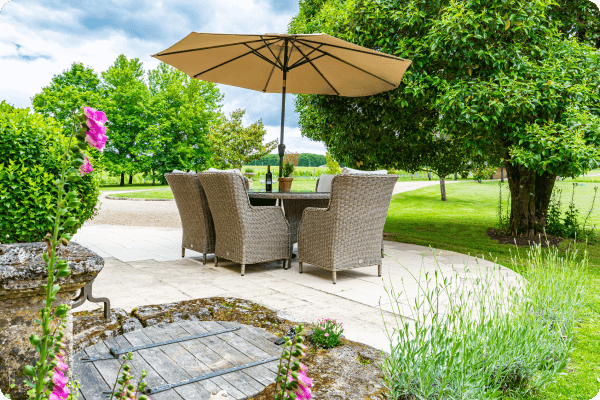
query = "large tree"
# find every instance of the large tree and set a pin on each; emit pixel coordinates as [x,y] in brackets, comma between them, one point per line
[577,18]
[75,87]
[234,145]
[126,96]
[497,77]
[180,111]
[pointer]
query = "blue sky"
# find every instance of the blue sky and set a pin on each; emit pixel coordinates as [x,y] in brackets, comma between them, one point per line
[40,39]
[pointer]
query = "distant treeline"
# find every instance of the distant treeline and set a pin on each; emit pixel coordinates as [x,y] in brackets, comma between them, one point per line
[304,160]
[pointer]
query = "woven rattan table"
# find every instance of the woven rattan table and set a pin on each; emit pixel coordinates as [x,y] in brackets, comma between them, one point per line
[293,204]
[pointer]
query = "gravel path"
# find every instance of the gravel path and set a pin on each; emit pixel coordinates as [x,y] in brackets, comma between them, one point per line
[165,214]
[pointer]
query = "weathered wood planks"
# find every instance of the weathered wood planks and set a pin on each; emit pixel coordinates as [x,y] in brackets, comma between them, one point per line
[176,362]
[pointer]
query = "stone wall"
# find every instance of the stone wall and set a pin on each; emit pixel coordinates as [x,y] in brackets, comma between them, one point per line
[21,297]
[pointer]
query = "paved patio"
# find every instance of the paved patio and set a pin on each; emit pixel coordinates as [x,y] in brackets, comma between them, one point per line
[144,266]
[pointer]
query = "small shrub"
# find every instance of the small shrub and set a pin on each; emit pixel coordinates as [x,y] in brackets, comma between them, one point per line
[501,337]
[288,170]
[503,214]
[249,170]
[568,224]
[327,332]
[30,148]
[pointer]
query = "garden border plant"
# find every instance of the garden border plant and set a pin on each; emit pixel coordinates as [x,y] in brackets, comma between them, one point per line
[46,379]
[499,338]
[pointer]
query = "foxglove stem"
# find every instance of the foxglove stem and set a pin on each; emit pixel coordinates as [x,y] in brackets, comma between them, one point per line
[42,370]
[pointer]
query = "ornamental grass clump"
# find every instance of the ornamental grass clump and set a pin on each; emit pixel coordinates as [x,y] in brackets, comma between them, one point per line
[292,382]
[327,332]
[486,334]
[46,379]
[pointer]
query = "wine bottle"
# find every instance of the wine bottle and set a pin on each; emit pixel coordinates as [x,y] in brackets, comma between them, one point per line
[269,180]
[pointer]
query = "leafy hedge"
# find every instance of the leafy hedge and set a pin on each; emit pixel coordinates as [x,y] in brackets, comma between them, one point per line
[30,147]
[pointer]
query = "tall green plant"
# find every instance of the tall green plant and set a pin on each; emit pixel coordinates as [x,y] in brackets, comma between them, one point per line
[31,146]
[234,145]
[501,335]
[46,378]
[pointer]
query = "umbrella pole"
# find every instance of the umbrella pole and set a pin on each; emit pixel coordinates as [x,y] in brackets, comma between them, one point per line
[281,146]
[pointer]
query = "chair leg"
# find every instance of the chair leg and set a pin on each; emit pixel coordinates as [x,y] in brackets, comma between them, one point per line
[216,261]
[300,267]
[182,252]
[334,277]
[243,269]
[379,270]
[204,258]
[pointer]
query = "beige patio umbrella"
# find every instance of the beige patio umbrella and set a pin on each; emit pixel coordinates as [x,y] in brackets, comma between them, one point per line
[281,63]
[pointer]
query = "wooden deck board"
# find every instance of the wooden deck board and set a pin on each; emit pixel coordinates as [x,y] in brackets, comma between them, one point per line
[176,362]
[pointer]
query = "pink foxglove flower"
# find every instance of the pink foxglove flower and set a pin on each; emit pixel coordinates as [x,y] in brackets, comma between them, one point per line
[61,366]
[59,379]
[96,116]
[85,168]
[96,137]
[304,384]
[60,391]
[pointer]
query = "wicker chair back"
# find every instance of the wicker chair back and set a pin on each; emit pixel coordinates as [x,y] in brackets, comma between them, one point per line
[196,218]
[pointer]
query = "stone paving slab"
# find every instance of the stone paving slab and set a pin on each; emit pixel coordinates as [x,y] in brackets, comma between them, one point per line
[157,274]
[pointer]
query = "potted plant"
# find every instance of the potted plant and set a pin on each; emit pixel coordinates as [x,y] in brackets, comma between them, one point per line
[285,182]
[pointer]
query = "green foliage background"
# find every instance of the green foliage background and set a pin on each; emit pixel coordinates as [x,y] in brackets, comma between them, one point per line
[30,147]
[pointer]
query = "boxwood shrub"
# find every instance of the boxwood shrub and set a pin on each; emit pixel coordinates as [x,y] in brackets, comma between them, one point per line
[30,148]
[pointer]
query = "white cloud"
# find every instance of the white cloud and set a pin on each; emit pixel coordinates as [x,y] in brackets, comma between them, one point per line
[293,140]
[40,40]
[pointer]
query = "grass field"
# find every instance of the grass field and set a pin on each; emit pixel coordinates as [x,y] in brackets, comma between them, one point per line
[135,186]
[460,225]
[298,185]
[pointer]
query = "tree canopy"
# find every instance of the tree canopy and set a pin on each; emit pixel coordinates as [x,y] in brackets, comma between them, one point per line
[497,78]
[156,124]
[68,91]
[234,145]
[180,110]
[126,97]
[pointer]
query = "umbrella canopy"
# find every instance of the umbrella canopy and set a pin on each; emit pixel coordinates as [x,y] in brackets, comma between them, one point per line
[280,63]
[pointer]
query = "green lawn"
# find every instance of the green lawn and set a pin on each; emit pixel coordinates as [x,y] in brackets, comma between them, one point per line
[297,185]
[135,186]
[460,225]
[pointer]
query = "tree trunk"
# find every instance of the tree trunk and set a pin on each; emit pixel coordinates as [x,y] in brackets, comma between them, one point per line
[443,188]
[530,197]
[131,179]
[428,174]
[502,174]
[122,179]
[456,176]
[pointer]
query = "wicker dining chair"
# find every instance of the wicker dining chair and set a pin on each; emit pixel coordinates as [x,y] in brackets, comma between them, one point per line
[244,234]
[348,233]
[196,218]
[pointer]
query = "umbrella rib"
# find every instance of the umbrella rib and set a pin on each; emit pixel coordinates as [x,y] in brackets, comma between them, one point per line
[299,64]
[273,54]
[302,61]
[272,69]
[210,47]
[319,72]
[226,62]
[354,66]
[377,53]
[261,56]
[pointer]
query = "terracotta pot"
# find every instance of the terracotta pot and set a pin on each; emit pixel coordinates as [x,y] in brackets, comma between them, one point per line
[285,184]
